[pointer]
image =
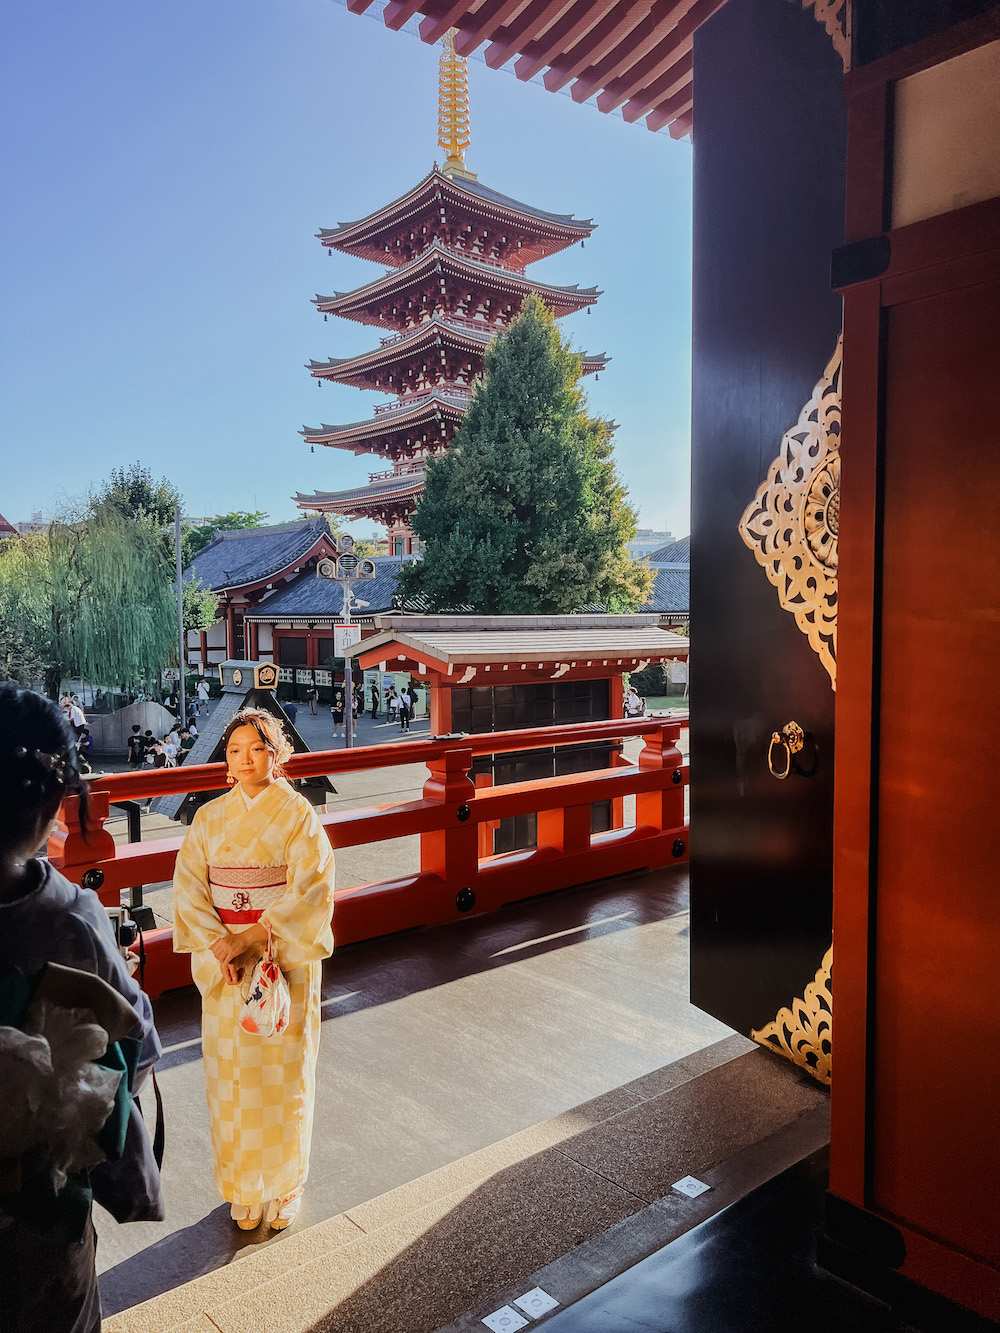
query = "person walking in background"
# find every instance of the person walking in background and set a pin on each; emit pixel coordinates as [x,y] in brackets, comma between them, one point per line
[312,695]
[392,704]
[404,711]
[136,749]
[337,710]
[256,868]
[203,694]
[85,748]
[292,709]
[76,716]
[376,700]
[55,1161]
[186,746]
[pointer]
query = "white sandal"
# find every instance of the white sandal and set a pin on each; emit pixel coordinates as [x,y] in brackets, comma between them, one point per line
[282,1212]
[245,1216]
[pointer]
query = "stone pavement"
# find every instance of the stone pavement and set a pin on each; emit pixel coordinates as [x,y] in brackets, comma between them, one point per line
[436,1044]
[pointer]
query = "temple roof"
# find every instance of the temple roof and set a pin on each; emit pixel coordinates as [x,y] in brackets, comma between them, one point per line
[671,592]
[436,258]
[366,236]
[454,641]
[434,406]
[674,553]
[310,598]
[435,332]
[394,487]
[247,555]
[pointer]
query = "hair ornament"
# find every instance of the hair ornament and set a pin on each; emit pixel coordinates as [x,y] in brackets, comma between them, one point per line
[54,764]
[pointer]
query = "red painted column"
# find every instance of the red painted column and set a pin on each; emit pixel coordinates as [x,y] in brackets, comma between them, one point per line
[453,851]
[252,644]
[663,809]
[440,707]
[203,644]
[230,631]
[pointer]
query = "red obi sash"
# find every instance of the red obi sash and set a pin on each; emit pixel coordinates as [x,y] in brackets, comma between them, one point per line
[242,894]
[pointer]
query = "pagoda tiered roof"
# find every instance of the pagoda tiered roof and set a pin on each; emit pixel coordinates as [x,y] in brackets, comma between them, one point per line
[386,499]
[407,356]
[397,232]
[399,430]
[441,275]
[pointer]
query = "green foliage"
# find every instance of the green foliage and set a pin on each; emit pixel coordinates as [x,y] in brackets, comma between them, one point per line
[200,605]
[195,539]
[92,597]
[525,513]
[365,548]
[134,493]
[651,681]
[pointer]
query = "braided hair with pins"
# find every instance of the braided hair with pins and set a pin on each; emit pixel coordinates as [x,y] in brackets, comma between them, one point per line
[39,763]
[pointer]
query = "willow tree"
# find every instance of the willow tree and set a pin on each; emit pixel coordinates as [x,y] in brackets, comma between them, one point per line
[526,512]
[93,597]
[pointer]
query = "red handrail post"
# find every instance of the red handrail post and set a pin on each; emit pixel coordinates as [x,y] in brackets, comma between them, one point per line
[566,830]
[663,809]
[69,847]
[452,852]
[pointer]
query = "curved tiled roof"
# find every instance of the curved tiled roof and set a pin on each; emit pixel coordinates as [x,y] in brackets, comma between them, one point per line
[670,592]
[473,188]
[674,553]
[247,555]
[308,597]
[437,254]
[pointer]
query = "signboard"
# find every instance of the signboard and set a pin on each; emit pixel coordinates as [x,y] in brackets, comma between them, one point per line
[286,674]
[324,677]
[304,677]
[265,676]
[345,636]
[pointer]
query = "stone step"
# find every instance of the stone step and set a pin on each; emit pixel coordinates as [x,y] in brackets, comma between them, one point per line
[418,1256]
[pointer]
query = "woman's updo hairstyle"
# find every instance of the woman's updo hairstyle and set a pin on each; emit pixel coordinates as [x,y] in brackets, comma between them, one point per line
[39,761]
[268,728]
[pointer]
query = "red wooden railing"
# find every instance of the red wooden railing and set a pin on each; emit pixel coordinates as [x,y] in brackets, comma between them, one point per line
[454,876]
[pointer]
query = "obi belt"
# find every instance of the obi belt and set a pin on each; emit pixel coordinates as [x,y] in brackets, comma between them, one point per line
[242,894]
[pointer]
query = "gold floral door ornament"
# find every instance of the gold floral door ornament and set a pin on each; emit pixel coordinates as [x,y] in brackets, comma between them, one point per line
[791,525]
[803,1032]
[835,16]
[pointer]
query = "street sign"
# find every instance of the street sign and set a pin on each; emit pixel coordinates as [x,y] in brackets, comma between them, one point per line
[345,636]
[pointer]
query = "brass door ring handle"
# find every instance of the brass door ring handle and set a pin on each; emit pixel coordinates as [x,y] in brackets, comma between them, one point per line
[784,746]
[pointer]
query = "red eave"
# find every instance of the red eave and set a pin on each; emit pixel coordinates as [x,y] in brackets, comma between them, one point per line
[633,55]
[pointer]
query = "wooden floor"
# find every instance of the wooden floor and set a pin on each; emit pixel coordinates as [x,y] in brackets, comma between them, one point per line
[436,1045]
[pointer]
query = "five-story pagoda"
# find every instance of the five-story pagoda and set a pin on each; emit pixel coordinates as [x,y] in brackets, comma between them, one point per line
[455,254]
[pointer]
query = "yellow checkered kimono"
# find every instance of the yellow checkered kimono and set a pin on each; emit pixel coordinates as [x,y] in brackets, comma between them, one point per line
[233,863]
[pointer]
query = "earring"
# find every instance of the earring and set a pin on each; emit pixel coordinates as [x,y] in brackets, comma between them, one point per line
[230,780]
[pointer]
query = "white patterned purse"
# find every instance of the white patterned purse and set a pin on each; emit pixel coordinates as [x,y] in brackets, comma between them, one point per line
[267,1001]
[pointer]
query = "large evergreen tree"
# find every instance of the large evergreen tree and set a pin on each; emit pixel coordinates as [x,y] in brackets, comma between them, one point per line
[525,513]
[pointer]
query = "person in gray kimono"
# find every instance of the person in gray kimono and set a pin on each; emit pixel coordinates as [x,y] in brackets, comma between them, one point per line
[58,1027]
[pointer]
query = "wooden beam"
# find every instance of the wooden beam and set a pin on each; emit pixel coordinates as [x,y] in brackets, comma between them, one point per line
[579,19]
[358,6]
[679,127]
[399,12]
[663,57]
[669,85]
[622,55]
[434,27]
[665,109]
[619,22]
[487,19]
[529,24]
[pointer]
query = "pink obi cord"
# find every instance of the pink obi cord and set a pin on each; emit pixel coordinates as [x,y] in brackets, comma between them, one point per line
[242,894]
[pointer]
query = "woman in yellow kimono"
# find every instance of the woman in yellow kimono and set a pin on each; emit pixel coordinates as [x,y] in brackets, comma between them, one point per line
[255,858]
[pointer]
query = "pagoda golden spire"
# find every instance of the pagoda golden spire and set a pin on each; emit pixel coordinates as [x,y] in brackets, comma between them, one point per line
[453,108]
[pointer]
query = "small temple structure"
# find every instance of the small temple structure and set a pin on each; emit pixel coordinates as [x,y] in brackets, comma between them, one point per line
[455,254]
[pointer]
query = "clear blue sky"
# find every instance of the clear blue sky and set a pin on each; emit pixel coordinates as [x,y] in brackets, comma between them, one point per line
[166,168]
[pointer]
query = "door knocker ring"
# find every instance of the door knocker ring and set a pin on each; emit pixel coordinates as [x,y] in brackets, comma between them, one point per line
[784,746]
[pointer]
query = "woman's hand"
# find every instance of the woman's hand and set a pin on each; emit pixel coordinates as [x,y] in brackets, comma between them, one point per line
[232,972]
[228,947]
